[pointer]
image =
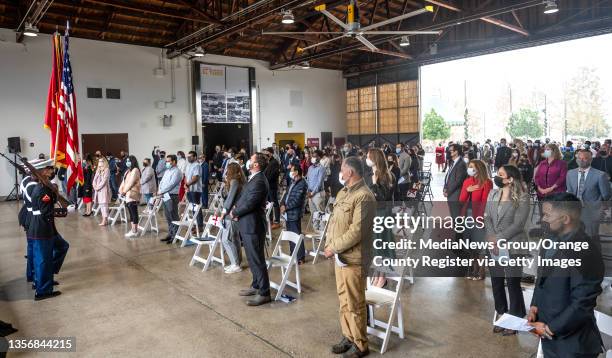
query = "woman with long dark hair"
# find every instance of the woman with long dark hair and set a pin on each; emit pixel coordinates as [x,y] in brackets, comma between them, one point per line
[506,213]
[130,188]
[234,182]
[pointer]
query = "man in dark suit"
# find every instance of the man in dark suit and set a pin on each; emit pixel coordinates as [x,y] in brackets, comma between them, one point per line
[250,213]
[502,157]
[562,308]
[453,181]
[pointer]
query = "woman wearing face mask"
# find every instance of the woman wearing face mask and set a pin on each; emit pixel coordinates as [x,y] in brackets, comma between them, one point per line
[86,190]
[393,165]
[234,182]
[130,188]
[102,191]
[550,173]
[506,214]
[473,196]
[381,185]
[514,157]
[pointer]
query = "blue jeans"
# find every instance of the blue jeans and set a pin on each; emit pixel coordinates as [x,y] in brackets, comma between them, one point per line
[194,198]
[296,227]
[30,262]
[147,197]
[205,197]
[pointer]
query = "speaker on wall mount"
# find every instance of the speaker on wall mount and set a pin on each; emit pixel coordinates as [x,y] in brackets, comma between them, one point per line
[14,144]
[195,140]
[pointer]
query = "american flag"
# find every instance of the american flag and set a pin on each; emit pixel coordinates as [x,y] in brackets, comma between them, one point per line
[67,114]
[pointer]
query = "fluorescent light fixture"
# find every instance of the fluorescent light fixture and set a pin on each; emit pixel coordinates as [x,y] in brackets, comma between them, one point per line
[199,52]
[405,41]
[551,7]
[287,17]
[30,31]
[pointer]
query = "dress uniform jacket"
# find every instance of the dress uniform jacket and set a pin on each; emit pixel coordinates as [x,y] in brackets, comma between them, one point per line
[25,213]
[42,225]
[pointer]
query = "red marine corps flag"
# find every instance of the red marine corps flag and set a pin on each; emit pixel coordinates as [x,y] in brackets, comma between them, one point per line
[55,127]
[68,116]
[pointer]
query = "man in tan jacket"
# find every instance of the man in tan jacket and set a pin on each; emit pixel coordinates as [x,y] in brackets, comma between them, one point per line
[349,242]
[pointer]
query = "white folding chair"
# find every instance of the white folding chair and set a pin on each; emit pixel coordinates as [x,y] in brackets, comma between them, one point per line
[378,297]
[118,212]
[211,237]
[314,223]
[286,263]
[95,209]
[187,222]
[317,238]
[147,220]
[269,206]
[604,323]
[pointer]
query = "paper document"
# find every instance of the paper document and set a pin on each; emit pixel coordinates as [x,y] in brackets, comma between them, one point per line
[166,197]
[338,261]
[401,180]
[509,321]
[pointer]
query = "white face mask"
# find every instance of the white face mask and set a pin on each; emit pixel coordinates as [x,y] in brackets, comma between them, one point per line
[547,153]
[248,164]
[471,172]
[369,163]
[291,175]
[515,155]
[313,160]
[342,181]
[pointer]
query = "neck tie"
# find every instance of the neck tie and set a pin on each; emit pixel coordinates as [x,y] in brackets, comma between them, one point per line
[580,185]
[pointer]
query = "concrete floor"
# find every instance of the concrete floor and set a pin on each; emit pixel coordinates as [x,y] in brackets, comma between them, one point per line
[141,299]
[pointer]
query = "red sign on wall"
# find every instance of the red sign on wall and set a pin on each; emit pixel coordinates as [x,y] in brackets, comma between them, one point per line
[313,142]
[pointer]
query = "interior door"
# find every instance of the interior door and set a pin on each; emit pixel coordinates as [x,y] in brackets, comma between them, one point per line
[105,142]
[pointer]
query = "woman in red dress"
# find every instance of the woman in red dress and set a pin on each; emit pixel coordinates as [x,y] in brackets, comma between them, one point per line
[440,156]
[474,194]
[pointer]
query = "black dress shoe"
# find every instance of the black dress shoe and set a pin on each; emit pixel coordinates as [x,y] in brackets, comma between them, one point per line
[55,283]
[248,292]
[48,295]
[354,352]
[342,347]
[166,239]
[259,300]
[169,242]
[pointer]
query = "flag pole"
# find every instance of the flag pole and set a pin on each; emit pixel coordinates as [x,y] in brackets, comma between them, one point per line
[57,125]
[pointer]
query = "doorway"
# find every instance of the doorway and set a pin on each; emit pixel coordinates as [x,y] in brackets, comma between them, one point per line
[283,139]
[237,135]
[106,142]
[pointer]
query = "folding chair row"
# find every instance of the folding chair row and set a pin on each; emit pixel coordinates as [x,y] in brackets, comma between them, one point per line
[147,220]
[118,212]
[286,263]
[187,222]
[211,237]
[317,238]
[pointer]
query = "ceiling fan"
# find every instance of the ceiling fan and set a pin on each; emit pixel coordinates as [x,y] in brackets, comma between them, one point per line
[353,27]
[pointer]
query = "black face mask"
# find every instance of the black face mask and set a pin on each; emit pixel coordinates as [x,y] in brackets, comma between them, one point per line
[499,181]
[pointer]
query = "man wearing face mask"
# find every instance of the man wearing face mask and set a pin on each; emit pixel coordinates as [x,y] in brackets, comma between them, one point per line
[48,247]
[169,187]
[404,165]
[591,186]
[250,213]
[457,173]
[217,161]
[562,308]
[272,173]
[316,177]
[351,224]
[603,161]
[502,157]
[290,160]
[193,184]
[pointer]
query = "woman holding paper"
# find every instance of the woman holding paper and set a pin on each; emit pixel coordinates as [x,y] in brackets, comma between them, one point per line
[506,213]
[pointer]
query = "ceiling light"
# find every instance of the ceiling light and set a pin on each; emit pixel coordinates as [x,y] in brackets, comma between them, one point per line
[287,17]
[199,52]
[551,7]
[405,41]
[30,31]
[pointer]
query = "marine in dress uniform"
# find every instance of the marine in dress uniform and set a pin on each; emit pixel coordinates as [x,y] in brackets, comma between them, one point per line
[25,215]
[48,247]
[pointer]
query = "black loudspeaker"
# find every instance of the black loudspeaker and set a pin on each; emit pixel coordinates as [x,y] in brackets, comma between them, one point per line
[14,144]
[195,140]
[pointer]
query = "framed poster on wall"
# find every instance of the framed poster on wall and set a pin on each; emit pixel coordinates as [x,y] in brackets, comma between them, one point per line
[225,94]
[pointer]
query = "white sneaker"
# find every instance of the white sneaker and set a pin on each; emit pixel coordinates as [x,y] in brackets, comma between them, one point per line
[233,269]
[131,234]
